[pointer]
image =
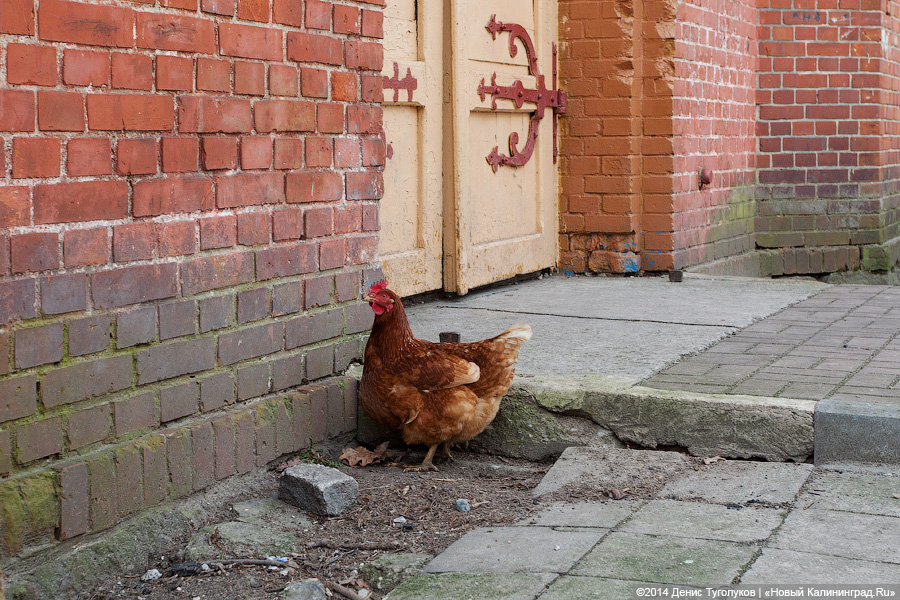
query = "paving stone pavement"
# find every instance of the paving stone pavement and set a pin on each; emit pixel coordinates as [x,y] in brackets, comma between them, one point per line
[725,523]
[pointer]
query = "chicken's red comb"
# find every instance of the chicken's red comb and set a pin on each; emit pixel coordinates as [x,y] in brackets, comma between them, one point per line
[377,287]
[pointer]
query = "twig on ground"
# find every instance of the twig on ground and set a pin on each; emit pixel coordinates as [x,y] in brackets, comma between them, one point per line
[343,591]
[361,546]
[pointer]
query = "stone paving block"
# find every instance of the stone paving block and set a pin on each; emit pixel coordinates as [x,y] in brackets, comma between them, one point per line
[584,514]
[733,482]
[704,521]
[807,391]
[567,587]
[838,533]
[788,567]
[863,432]
[537,550]
[665,559]
[857,493]
[450,586]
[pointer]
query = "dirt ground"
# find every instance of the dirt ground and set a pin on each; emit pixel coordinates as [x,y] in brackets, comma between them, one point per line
[497,489]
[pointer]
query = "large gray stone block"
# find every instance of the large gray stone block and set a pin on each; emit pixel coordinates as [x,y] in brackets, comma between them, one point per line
[856,432]
[318,489]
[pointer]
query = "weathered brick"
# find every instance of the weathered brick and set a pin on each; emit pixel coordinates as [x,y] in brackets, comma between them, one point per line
[307,47]
[169,31]
[204,455]
[133,285]
[301,410]
[287,298]
[249,78]
[330,117]
[318,413]
[82,247]
[244,442]
[372,23]
[35,157]
[250,42]
[216,391]
[264,426]
[284,115]
[218,7]
[213,75]
[346,19]
[287,224]
[136,157]
[288,153]
[253,10]
[156,469]
[180,155]
[5,338]
[88,335]
[74,501]
[34,252]
[177,319]
[250,342]
[132,71]
[283,80]
[285,261]
[359,318]
[318,14]
[216,312]
[223,431]
[346,153]
[88,156]
[319,362]
[174,73]
[319,151]
[364,55]
[18,397]
[30,64]
[332,254]
[17,110]
[130,112]
[38,440]
[217,271]
[284,427]
[314,82]
[134,241]
[368,185]
[317,292]
[85,68]
[344,87]
[63,293]
[129,479]
[15,206]
[177,401]
[88,426]
[335,408]
[39,346]
[287,12]
[173,195]
[178,456]
[346,352]
[18,17]
[86,380]
[287,372]
[314,186]
[80,201]
[254,228]
[86,23]
[256,152]
[174,359]
[252,305]
[177,238]
[252,381]
[346,286]
[135,413]
[200,114]
[248,189]
[313,328]
[219,153]
[136,326]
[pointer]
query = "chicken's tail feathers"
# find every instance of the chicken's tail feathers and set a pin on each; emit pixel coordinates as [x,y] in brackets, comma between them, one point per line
[519,331]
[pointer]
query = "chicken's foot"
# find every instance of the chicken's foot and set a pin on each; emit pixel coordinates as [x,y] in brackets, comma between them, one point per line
[445,452]
[427,464]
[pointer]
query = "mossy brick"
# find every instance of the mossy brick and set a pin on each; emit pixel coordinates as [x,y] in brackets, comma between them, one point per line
[216,271]
[317,292]
[87,380]
[89,335]
[177,318]
[156,469]
[136,326]
[223,431]
[286,261]
[37,346]
[350,387]
[17,300]
[88,426]
[177,401]
[63,293]
[250,342]
[216,391]
[313,328]
[287,298]
[18,397]
[135,413]
[129,479]
[345,352]
[40,498]
[334,398]
[12,517]
[300,409]
[359,318]
[318,413]
[216,312]
[203,456]
[103,497]
[38,439]
[4,352]
[287,372]
[133,285]
[74,501]
[284,427]
[252,305]
[264,426]
[244,442]
[5,452]
[176,358]
[178,457]
[346,286]
[252,381]
[320,362]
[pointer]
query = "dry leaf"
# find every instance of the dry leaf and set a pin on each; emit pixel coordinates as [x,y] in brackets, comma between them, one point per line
[359,457]
[714,459]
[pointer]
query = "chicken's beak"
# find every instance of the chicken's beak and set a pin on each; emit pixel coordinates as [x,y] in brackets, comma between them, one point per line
[368,298]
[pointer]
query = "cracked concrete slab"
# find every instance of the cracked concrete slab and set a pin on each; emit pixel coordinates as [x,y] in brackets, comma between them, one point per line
[736,482]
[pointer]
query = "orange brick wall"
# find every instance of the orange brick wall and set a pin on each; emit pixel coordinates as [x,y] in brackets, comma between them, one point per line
[188,216]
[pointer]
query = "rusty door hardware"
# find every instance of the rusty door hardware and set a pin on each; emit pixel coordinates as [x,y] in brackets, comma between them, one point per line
[541,97]
[408,83]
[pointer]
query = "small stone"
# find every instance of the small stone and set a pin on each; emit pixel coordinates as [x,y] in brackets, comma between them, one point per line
[308,589]
[151,575]
[318,489]
[400,520]
[463,505]
[362,593]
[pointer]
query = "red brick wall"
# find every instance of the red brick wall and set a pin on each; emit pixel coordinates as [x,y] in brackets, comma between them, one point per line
[188,214]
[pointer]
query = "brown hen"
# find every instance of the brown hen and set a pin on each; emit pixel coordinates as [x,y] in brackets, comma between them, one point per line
[434,393]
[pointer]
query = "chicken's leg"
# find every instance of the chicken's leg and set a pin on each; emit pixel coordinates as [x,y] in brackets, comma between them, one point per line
[427,464]
[445,452]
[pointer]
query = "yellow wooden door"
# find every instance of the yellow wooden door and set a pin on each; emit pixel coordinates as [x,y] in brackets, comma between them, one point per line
[457,214]
[411,214]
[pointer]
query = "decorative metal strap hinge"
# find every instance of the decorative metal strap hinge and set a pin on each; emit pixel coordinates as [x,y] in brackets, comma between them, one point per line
[541,97]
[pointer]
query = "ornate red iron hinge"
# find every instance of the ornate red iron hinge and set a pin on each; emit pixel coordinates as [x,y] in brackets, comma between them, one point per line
[517,93]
